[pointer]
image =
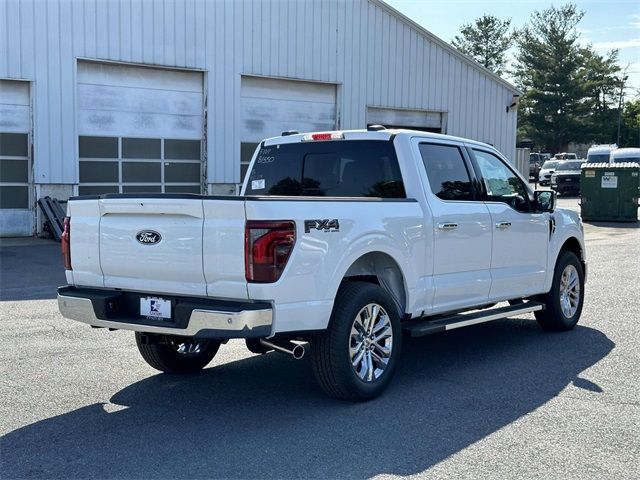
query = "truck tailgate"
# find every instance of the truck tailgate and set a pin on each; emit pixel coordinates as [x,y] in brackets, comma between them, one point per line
[131,259]
[173,245]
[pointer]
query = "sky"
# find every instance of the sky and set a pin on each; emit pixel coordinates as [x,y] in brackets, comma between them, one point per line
[607,24]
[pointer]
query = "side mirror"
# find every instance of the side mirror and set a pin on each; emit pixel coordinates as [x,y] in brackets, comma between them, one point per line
[544,200]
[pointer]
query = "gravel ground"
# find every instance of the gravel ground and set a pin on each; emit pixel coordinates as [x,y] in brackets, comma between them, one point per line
[500,400]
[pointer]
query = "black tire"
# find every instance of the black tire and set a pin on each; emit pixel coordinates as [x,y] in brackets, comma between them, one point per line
[254,346]
[330,351]
[552,318]
[162,352]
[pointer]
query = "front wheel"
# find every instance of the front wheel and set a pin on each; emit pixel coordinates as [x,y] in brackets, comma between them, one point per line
[563,303]
[173,354]
[356,357]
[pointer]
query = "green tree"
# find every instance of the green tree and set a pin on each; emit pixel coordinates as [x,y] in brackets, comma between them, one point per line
[602,89]
[630,128]
[486,40]
[550,71]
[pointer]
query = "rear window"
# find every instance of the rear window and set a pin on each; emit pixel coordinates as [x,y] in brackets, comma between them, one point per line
[563,166]
[598,158]
[354,168]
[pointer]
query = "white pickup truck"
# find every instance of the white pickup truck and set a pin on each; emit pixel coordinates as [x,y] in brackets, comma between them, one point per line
[339,240]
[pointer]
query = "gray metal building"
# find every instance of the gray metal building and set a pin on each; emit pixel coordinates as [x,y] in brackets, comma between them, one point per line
[172,96]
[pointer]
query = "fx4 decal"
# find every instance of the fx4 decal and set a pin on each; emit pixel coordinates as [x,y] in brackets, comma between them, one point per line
[325,225]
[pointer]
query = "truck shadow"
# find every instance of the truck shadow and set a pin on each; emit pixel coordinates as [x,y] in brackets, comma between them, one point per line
[264,417]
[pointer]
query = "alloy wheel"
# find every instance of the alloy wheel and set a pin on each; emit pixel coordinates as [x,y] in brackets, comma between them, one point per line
[370,342]
[569,291]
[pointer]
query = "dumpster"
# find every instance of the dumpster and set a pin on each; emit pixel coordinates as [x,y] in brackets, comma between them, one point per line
[610,192]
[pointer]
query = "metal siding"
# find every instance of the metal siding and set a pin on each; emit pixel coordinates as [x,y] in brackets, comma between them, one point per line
[89,34]
[101,26]
[13,39]
[455,98]
[376,57]
[27,30]
[66,96]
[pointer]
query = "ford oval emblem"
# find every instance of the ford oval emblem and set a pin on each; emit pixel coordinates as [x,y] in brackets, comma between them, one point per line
[148,237]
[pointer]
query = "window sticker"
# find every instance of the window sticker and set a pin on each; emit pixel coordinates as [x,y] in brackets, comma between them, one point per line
[258,184]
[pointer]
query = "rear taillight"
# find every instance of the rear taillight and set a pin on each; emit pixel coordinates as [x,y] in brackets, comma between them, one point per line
[65,242]
[267,247]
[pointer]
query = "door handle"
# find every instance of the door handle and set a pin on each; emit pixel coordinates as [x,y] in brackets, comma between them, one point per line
[447,226]
[503,225]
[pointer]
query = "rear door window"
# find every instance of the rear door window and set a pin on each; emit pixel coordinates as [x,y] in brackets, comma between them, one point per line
[448,175]
[355,168]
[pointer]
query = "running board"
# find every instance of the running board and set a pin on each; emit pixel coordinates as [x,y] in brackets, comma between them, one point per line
[418,327]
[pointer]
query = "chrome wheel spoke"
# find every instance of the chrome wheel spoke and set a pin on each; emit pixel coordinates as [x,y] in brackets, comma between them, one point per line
[187,348]
[362,370]
[381,323]
[386,351]
[381,361]
[359,327]
[573,281]
[358,357]
[386,333]
[369,367]
[369,318]
[375,311]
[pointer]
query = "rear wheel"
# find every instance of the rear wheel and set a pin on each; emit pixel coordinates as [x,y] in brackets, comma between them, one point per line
[563,303]
[173,354]
[356,357]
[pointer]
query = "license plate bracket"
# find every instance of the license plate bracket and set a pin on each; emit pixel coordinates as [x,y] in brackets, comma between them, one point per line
[155,307]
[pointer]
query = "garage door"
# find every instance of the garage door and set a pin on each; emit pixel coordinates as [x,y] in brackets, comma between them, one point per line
[140,129]
[426,121]
[16,218]
[270,106]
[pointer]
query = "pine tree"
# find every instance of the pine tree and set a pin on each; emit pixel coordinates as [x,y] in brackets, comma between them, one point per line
[551,72]
[602,85]
[486,41]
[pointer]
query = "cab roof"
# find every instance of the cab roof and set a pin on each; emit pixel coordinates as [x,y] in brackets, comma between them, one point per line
[385,134]
[626,152]
[602,148]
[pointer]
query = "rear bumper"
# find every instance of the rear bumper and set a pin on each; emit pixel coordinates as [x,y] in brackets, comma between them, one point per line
[191,317]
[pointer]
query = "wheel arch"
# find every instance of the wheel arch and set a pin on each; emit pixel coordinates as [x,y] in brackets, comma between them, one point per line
[382,269]
[572,244]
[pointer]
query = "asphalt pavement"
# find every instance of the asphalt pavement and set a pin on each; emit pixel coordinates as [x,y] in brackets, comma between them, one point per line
[499,400]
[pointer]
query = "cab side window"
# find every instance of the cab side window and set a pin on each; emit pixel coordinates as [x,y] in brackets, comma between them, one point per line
[501,183]
[447,172]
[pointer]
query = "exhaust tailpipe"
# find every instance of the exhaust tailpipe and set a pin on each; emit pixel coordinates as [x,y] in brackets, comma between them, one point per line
[293,349]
